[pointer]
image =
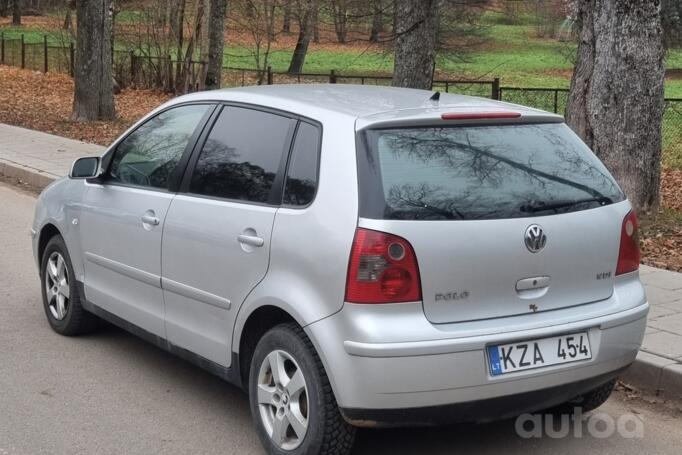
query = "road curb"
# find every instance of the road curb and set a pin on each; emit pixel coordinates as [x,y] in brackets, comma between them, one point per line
[654,374]
[26,174]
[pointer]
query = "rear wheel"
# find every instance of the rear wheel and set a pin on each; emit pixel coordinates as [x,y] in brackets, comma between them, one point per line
[292,403]
[61,300]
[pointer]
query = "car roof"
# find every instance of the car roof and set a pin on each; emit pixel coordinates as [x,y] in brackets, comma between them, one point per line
[370,102]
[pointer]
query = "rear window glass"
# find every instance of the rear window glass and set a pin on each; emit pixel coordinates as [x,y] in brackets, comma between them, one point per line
[479,172]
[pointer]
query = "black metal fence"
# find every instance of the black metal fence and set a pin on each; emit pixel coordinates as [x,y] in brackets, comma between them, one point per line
[547,99]
[132,70]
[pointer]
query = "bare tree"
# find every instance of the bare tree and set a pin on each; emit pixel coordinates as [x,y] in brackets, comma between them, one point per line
[305,14]
[16,12]
[339,10]
[70,5]
[216,41]
[93,95]
[671,14]
[4,8]
[286,16]
[416,40]
[184,82]
[377,21]
[616,97]
[256,18]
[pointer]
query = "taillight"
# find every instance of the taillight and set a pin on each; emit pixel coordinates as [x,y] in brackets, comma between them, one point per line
[382,269]
[628,256]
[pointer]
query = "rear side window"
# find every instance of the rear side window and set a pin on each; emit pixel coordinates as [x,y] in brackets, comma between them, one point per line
[242,155]
[301,182]
[479,172]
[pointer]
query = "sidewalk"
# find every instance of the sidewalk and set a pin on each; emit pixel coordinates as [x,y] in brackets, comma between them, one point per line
[38,158]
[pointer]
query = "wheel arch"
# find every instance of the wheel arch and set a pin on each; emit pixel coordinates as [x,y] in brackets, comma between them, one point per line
[250,328]
[48,231]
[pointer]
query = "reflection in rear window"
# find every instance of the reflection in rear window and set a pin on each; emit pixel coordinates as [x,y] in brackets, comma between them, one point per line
[480,172]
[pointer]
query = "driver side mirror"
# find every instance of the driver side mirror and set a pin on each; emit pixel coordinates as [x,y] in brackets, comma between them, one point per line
[85,168]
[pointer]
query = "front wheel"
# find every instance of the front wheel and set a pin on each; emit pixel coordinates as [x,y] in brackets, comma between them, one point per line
[61,299]
[292,403]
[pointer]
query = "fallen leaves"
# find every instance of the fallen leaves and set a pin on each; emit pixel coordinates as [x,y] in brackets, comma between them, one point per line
[43,102]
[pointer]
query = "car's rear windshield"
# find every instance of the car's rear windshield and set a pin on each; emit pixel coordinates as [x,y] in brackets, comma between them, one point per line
[479,172]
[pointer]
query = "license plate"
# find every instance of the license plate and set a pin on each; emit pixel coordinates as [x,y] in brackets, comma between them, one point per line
[526,355]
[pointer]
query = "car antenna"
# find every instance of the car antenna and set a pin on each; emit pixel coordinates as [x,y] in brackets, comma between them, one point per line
[435,97]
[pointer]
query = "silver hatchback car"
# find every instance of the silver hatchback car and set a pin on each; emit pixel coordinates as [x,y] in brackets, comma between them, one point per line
[354,256]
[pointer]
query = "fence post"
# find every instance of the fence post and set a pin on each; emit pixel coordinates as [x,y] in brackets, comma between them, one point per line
[332,77]
[556,101]
[2,48]
[44,53]
[132,68]
[23,52]
[496,89]
[72,58]
[269,75]
[170,73]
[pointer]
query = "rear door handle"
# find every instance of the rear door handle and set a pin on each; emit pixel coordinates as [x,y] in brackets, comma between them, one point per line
[250,240]
[150,219]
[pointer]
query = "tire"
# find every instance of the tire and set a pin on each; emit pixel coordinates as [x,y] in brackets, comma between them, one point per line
[588,401]
[327,433]
[68,318]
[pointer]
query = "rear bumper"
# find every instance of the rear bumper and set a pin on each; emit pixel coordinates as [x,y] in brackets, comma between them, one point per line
[387,361]
[485,410]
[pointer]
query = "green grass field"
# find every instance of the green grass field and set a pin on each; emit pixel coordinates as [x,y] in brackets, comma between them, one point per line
[511,53]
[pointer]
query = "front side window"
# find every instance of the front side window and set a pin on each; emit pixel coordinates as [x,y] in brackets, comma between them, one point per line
[242,155]
[301,182]
[149,155]
[480,172]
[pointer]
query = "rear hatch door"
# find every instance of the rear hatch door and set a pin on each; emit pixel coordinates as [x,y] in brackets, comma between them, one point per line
[504,219]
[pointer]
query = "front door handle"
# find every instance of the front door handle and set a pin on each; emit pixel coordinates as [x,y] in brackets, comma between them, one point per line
[150,219]
[250,240]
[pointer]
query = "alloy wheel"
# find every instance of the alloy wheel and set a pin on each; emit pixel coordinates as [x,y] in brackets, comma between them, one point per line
[283,400]
[57,286]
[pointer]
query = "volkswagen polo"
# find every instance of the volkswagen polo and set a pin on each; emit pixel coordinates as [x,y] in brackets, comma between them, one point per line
[354,256]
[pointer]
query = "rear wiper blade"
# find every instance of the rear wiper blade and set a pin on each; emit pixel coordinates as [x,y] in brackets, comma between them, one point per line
[539,206]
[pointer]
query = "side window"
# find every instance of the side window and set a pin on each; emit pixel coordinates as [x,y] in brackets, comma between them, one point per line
[242,155]
[148,156]
[301,181]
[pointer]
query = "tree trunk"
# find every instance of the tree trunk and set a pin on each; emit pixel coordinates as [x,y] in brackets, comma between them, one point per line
[340,16]
[16,12]
[93,96]
[4,8]
[616,98]
[286,21]
[185,82]
[67,19]
[179,27]
[316,20]
[377,21]
[216,41]
[415,46]
[304,35]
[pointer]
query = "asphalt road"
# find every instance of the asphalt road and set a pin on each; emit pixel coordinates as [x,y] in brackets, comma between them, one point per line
[110,393]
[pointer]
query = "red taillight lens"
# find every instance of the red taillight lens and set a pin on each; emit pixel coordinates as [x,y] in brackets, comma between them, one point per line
[628,256]
[382,269]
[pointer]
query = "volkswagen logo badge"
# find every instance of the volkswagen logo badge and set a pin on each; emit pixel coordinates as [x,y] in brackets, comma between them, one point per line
[535,238]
